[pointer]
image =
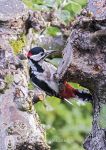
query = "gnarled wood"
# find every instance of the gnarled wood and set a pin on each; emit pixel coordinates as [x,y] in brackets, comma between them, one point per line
[88,65]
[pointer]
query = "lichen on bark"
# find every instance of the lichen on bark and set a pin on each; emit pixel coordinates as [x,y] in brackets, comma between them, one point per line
[20,127]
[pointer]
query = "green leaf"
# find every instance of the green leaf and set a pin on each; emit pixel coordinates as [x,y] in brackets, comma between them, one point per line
[28,3]
[58,2]
[63,15]
[75,85]
[50,3]
[53,31]
[39,2]
[53,101]
[73,7]
[81,2]
[40,7]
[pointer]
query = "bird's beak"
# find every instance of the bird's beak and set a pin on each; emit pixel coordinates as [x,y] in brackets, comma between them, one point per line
[49,52]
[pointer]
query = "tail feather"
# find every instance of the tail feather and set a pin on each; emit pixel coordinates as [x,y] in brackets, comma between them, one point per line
[84,95]
[68,91]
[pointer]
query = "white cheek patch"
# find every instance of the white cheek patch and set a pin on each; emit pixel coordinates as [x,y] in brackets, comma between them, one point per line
[36,57]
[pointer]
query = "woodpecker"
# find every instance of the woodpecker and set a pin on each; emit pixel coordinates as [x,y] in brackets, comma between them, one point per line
[42,74]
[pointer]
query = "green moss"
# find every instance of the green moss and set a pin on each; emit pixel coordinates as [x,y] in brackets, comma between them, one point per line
[53,31]
[28,3]
[30,86]
[18,44]
[9,79]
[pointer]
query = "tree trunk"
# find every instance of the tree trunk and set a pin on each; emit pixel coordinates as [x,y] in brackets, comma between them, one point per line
[20,127]
[87,47]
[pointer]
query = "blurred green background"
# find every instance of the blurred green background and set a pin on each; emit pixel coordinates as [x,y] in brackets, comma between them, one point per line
[65,10]
[66,125]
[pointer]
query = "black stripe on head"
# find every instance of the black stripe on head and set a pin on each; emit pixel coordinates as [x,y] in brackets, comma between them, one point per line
[41,84]
[36,50]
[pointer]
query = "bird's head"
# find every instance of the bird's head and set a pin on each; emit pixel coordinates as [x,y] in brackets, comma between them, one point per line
[38,53]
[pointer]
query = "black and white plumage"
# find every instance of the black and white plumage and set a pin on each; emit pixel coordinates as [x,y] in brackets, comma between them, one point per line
[41,72]
[42,75]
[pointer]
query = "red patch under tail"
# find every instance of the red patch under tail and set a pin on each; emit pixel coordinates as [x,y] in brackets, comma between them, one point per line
[68,91]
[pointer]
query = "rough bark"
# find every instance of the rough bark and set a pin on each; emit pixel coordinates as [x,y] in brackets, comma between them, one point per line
[20,127]
[87,42]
